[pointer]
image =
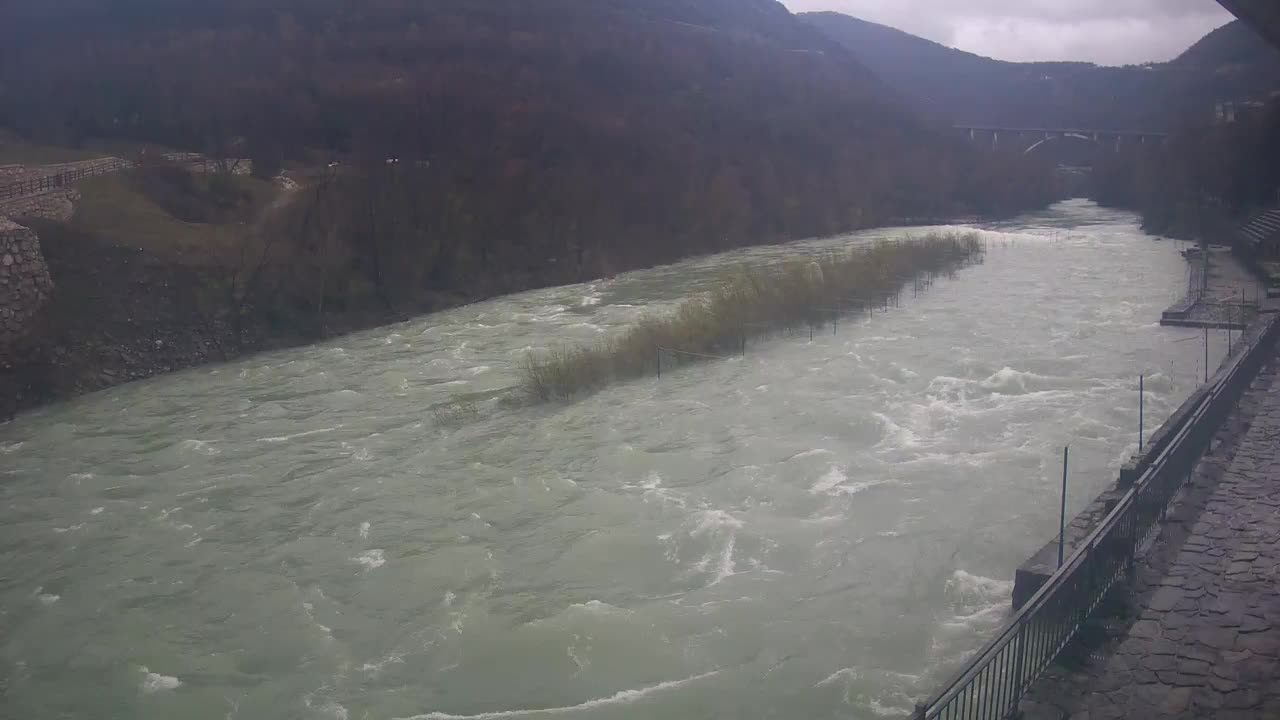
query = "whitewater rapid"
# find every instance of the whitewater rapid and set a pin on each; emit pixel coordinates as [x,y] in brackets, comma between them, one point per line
[820,528]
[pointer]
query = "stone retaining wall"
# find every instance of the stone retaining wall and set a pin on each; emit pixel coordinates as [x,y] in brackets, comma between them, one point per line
[25,286]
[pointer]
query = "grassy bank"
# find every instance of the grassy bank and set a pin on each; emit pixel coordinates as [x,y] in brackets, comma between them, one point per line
[748,302]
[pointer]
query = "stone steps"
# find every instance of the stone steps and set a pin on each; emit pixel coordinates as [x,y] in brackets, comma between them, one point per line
[1261,230]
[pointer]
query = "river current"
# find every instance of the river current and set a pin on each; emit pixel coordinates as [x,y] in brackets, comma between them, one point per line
[821,528]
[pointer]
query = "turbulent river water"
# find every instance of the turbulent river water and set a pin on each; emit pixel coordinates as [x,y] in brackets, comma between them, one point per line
[819,529]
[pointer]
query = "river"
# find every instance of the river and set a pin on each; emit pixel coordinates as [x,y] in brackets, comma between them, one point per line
[821,528]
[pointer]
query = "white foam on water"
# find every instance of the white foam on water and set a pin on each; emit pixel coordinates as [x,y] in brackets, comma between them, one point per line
[97,511]
[979,603]
[1008,381]
[835,482]
[371,559]
[48,599]
[479,370]
[449,597]
[374,668]
[595,607]
[295,436]
[710,521]
[80,476]
[364,530]
[309,610]
[572,652]
[653,486]
[624,697]
[725,568]
[841,674]
[71,528]
[833,478]
[887,710]
[811,453]
[328,709]
[895,435]
[155,682]
[969,588]
[200,446]
[7,448]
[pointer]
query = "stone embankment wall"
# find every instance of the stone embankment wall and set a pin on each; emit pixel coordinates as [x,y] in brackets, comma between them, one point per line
[25,286]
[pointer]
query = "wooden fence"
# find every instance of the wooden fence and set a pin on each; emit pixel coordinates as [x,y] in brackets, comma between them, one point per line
[57,180]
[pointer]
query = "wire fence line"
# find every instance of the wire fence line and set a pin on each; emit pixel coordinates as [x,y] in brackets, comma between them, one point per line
[846,307]
[991,685]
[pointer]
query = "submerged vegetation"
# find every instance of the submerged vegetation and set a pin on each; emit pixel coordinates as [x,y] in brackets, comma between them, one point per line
[747,302]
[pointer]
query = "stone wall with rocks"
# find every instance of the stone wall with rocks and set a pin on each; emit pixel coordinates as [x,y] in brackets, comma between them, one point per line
[25,286]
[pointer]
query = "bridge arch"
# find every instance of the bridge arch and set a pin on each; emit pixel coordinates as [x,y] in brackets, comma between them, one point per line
[1047,138]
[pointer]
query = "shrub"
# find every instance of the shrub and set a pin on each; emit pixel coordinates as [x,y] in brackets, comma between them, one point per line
[749,301]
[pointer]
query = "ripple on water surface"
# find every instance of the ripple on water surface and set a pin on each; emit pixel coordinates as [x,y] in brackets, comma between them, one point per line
[822,528]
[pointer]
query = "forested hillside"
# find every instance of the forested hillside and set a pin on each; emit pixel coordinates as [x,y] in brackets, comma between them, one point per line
[1230,64]
[612,133]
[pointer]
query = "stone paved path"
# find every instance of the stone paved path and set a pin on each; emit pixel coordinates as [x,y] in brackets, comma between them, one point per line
[1206,641]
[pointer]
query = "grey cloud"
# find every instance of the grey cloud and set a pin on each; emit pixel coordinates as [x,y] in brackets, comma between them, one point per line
[1104,31]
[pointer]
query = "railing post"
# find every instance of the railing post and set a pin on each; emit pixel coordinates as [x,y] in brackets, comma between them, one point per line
[918,713]
[1091,581]
[1020,664]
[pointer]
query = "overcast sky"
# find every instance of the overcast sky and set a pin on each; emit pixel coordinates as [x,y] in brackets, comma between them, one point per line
[1108,32]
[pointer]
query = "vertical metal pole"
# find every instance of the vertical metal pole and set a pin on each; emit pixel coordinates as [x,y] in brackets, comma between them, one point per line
[1142,398]
[658,352]
[1062,519]
[1206,353]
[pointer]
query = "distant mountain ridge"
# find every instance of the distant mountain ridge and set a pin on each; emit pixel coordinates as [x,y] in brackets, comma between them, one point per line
[1229,64]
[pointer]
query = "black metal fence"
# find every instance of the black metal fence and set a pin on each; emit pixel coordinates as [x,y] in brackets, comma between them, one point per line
[53,181]
[990,686]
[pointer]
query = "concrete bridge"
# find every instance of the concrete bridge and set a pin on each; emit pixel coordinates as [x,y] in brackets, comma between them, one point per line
[1029,139]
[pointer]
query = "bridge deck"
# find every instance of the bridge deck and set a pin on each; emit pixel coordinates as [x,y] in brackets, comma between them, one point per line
[1064,131]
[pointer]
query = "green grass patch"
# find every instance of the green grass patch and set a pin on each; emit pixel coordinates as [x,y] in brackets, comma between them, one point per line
[115,208]
[749,302]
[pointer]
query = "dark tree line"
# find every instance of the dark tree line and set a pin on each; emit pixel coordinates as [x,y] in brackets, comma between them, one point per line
[492,145]
[1206,180]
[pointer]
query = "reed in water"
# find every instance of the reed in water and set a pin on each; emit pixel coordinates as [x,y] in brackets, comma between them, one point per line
[750,301]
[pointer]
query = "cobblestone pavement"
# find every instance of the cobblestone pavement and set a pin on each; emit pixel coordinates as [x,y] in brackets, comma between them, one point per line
[1230,284]
[1205,641]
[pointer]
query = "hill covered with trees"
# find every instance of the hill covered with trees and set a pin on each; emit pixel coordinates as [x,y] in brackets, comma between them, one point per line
[1230,64]
[537,142]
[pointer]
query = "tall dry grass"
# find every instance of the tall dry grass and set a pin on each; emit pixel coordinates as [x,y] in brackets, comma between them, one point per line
[750,302]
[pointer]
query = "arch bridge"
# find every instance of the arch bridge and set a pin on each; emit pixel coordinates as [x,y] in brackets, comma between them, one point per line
[1029,139]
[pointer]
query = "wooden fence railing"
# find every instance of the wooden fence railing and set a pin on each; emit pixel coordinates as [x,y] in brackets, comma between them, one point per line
[54,181]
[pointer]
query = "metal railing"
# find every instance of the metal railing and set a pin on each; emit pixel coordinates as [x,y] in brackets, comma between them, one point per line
[54,181]
[990,686]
